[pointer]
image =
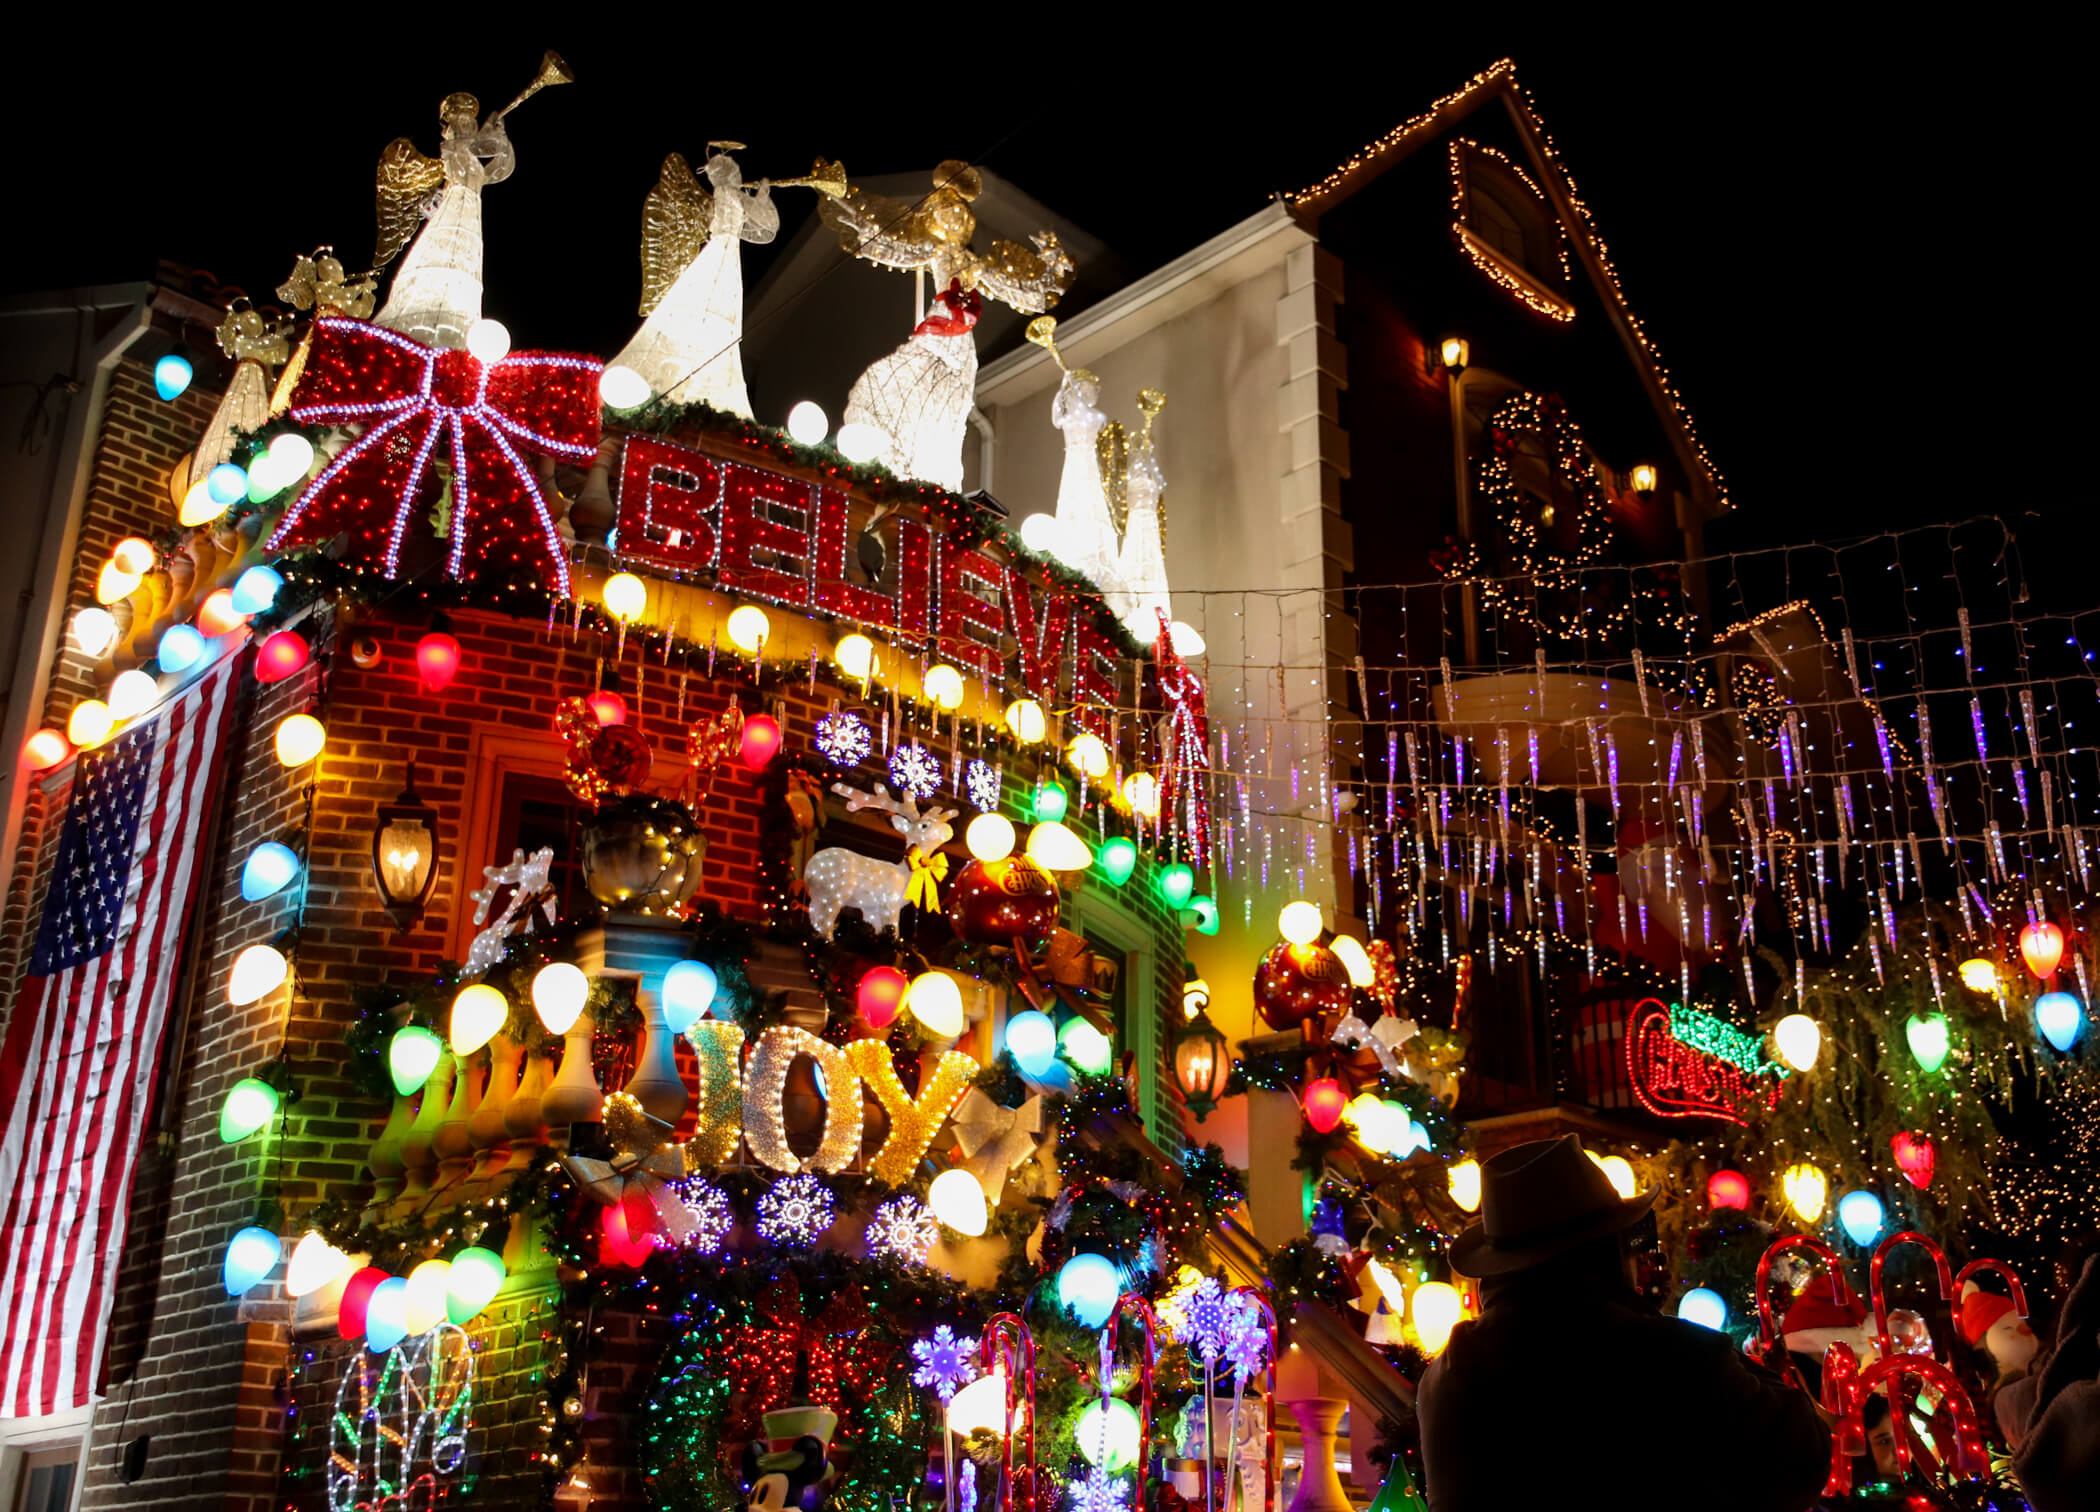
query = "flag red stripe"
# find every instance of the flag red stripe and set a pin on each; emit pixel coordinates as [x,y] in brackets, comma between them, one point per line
[81,1069]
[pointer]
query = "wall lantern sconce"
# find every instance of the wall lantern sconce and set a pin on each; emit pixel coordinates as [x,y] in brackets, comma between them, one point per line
[1642,478]
[1456,354]
[405,854]
[1202,1061]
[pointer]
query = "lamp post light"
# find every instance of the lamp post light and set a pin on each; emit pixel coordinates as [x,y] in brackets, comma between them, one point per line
[1201,1059]
[405,854]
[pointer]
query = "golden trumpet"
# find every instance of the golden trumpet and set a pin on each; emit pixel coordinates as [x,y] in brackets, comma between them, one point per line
[826,178]
[553,70]
[1043,332]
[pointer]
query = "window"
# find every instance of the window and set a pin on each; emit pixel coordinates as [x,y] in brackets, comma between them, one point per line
[1509,230]
[47,1479]
[532,811]
[1124,962]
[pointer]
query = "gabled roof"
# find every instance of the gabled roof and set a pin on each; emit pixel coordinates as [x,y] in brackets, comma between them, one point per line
[1499,83]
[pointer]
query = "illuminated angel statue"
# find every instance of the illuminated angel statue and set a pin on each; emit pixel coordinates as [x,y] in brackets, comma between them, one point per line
[320,284]
[255,345]
[437,290]
[1142,567]
[919,396]
[690,346]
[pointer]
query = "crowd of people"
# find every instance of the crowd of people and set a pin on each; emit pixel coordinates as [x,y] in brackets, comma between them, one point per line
[1569,1379]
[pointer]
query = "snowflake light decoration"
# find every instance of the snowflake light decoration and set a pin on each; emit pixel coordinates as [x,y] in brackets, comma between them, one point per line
[795,1211]
[1246,1340]
[915,770]
[707,1211]
[843,738]
[903,1228]
[981,784]
[1202,1318]
[1098,1491]
[946,1363]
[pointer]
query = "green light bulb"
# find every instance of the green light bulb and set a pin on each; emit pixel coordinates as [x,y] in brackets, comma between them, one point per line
[1927,1033]
[1176,884]
[250,1104]
[1205,908]
[412,1056]
[1050,801]
[1119,859]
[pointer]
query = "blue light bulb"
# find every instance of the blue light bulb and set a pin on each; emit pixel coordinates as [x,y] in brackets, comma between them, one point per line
[171,375]
[180,646]
[386,1315]
[1087,1287]
[250,1255]
[1704,1307]
[256,589]
[689,991]
[269,868]
[1861,1215]
[227,483]
[2059,1016]
[1032,1039]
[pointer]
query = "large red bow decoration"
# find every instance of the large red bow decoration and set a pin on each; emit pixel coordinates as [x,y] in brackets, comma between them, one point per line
[833,1350]
[411,395]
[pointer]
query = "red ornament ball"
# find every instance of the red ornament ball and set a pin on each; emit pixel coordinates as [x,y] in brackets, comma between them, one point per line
[1324,1101]
[1728,1189]
[357,1298]
[881,994]
[1299,982]
[608,707]
[280,656]
[437,661]
[995,902]
[761,741]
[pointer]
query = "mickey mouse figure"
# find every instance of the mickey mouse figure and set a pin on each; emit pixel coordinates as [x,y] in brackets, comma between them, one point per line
[790,1469]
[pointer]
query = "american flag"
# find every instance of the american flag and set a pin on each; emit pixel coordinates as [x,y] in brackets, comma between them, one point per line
[83,1042]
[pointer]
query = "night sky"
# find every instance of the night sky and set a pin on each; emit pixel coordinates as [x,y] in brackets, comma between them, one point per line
[1847,248]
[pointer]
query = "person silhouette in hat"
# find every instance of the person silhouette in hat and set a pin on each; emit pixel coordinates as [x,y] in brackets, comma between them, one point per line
[1570,1386]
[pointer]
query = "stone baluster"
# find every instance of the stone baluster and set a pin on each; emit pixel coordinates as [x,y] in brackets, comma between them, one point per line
[418,1161]
[455,1140]
[385,1160]
[574,1096]
[487,1134]
[523,1120]
[656,1084]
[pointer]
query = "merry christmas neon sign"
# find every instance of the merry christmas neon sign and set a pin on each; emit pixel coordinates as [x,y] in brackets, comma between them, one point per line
[1688,1064]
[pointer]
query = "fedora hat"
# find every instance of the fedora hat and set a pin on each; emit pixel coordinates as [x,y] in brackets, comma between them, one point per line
[1539,1200]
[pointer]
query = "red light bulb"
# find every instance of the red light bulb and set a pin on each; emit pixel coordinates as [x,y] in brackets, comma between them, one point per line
[881,994]
[280,656]
[437,661]
[1728,1189]
[45,750]
[1324,1100]
[609,707]
[357,1296]
[2042,947]
[761,741]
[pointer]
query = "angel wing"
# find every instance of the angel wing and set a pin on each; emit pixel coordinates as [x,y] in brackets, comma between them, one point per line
[675,219]
[406,178]
[1112,452]
[1028,278]
[893,233]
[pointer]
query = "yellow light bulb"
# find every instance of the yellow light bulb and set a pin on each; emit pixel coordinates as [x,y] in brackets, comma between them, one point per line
[748,628]
[1807,1190]
[198,506]
[1437,1309]
[134,555]
[1617,1171]
[1300,922]
[90,723]
[944,686]
[1978,973]
[1465,1185]
[114,583]
[625,596]
[990,837]
[1088,756]
[936,1002]
[1356,960]
[299,739]
[1054,847]
[477,1013]
[1141,792]
[855,656]
[1026,722]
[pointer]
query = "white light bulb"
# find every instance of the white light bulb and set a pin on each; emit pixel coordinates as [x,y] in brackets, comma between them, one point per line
[808,424]
[132,694]
[1300,922]
[95,631]
[1041,534]
[957,1199]
[622,388]
[859,441]
[489,340]
[1187,640]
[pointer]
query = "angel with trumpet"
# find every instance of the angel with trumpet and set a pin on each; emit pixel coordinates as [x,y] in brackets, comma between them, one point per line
[437,291]
[690,346]
[918,397]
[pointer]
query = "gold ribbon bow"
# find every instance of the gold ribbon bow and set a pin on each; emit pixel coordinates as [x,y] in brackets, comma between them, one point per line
[927,872]
[994,1140]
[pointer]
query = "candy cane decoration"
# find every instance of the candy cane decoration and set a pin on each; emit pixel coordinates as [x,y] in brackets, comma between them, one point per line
[1842,1399]
[1268,1403]
[1019,1358]
[1969,1458]
[2019,1292]
[1149,1353]
[1948,1290]
[1769,1341]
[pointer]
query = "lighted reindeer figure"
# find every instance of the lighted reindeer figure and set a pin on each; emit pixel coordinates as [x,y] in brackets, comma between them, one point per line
[838,877]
